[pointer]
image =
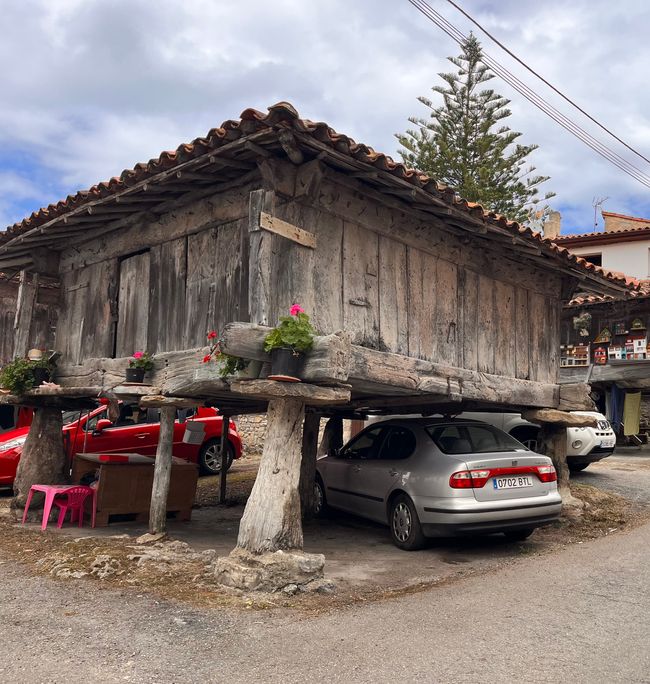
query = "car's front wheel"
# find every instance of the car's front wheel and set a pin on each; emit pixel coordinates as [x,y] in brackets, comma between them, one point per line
[210,457]
[405,527]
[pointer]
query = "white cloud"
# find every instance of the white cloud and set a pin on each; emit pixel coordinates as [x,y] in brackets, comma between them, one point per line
[90,88]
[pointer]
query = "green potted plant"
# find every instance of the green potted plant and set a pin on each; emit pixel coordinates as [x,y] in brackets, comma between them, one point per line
[230,365]
[139,364]
[23,374]
[287,343]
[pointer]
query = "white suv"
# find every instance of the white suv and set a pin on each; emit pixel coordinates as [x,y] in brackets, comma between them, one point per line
[585,445]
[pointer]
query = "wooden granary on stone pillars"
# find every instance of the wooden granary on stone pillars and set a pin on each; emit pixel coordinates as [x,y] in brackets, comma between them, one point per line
[423,302]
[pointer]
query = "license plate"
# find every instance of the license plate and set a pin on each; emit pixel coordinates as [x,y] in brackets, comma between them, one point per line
[512,482]
[608,443]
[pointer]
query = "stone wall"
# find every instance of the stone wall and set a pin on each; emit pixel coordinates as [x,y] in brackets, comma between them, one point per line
[252,429]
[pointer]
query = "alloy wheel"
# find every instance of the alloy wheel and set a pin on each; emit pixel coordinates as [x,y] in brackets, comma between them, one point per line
[213,457]
[318,499]
[402,522]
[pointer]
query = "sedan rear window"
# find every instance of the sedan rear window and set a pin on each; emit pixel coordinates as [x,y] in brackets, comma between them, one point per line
[472,439]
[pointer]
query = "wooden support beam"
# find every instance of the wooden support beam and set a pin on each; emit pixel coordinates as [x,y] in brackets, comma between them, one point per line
[225,426]
[27,292]
[312,395]
[310,432]
[162,471]
[290,146]
[260,255]
[575,396]
[271,519]
[287,230]
[332,436]
[559,418]
[158,401]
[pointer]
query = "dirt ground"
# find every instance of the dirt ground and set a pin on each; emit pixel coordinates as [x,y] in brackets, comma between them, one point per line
[361,560]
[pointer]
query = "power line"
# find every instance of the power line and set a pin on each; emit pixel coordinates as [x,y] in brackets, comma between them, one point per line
[536,99]
[550,85]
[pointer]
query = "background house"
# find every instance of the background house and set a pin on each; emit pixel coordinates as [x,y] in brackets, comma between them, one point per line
[623,246]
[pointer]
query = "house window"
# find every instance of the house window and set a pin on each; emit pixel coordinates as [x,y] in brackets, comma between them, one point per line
[596,259]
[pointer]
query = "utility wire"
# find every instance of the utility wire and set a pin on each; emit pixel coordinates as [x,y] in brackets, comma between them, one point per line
[543,80]
[535,99]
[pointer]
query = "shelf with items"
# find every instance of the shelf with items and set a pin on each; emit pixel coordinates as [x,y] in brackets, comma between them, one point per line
[574,355]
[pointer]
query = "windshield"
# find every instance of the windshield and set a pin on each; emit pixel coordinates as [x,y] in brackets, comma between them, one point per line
[472,439]
[69,416]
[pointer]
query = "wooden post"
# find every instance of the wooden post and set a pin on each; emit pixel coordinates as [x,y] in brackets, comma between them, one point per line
[552,443]
[225,425]
[308,463]
[260,258]
[24,310]
[43,460]
[162,471]
[271,520]
[332,436]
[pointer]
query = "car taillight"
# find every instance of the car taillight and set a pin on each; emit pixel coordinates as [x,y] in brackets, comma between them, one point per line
[546,473]
[467,479]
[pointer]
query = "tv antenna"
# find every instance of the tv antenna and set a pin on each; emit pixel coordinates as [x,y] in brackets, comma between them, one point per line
[598,203]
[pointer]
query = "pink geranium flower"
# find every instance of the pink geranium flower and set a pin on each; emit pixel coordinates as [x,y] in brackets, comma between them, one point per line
[138,355]
[212,335]
[296,309]
[206,359]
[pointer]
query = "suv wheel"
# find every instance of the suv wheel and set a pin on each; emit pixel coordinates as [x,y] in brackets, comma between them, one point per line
[405,528]
[320,503]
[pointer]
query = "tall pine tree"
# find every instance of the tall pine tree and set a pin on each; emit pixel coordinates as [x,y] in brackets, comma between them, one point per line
[463,144]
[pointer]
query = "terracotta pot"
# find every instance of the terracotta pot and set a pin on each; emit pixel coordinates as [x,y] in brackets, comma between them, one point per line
[286,364]
[135,374]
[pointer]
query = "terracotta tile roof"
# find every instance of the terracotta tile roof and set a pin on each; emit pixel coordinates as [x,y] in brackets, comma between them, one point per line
[640,291]
[283,116]
[610,235]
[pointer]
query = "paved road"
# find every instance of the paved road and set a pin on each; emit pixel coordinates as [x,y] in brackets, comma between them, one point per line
[581,615]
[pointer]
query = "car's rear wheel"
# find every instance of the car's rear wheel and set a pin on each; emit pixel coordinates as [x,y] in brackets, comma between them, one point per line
[577,467]
[210,457]
[519,535]
[528,436]
[320,502]
[405,528]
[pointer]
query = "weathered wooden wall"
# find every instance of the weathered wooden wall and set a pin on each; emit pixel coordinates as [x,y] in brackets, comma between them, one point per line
[41,334]
[403,286]
[156,286]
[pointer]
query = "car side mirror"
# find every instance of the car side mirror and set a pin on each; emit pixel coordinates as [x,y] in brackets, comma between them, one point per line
[102,424]
[336,453]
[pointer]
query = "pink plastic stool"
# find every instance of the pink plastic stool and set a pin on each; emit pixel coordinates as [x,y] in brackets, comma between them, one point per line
[75,500]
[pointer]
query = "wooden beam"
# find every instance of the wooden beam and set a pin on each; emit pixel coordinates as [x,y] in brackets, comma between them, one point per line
[27,292]
[312,395]
[260,258]
[158,401]
[162,471]
[310,432]
[287,230]
[561,418]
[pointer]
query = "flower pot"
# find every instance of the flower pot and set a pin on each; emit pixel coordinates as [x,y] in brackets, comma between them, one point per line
[41,375]
[135,375]
[286,364]
[251,372]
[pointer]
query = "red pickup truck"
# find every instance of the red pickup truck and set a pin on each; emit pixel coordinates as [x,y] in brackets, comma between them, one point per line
[135,431]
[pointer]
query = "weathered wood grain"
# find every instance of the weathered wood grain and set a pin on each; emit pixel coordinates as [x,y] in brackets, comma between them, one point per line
[27,291]
[133,305]
[486,324]
[393,296]
[446,313]
[312,395]
[505,329]
[260,258]
[557,417]
[162,471]
[287,230]
[470,297]
[522,334]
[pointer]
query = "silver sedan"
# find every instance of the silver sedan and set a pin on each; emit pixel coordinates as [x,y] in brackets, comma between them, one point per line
[431,477]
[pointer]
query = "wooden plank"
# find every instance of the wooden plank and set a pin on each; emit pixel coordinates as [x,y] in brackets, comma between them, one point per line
[575,396]
[505,329]
[469,336]
[393,296]
[486,324]
[537,335]
[446,313]
[162,471]
[27,291]
[522,335]
[360,286]
[260,276]
[98,302]
[168,304]
[133,305]
[312,395]
[554,312]
[287,230]
[200,289]
[226,280]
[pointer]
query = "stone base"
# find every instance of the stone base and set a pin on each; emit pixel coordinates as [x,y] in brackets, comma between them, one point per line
[269,571]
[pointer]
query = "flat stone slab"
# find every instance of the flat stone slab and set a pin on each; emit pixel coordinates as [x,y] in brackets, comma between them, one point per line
[268,572]
[313,395]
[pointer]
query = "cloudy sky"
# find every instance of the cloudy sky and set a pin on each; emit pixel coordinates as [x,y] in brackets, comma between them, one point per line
[90,87]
